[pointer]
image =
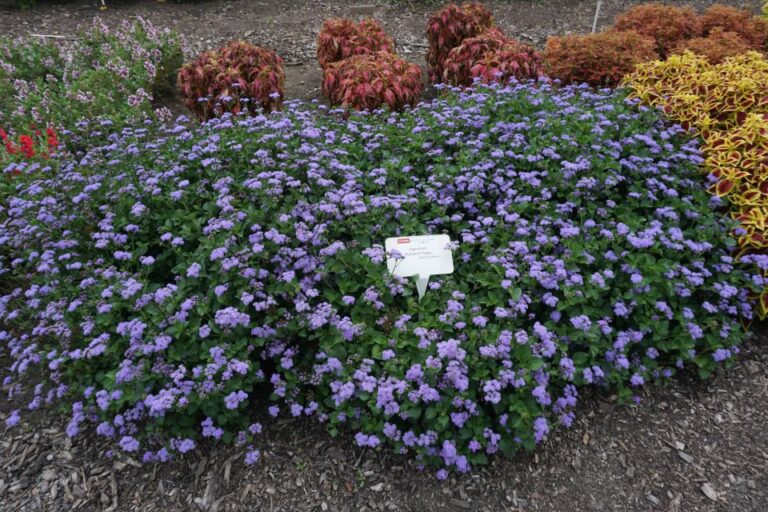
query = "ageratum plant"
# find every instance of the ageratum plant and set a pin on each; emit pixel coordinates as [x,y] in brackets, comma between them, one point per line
[165,284]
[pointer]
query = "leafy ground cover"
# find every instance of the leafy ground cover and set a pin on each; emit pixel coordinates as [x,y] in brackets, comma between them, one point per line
[170,285]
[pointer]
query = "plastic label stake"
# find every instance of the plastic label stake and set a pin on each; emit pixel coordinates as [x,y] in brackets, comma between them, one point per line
[419,256]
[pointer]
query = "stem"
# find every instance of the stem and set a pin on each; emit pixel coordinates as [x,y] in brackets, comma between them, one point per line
[597,15]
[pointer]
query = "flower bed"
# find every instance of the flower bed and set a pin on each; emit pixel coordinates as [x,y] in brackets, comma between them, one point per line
[166,284]
[101,82]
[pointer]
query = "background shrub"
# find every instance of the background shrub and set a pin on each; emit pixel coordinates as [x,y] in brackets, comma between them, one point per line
[715,47]
[367,82]
[666,24]
[231,79]
[752,29]
[600,59]
[342,38]
[195,269]
[447,28]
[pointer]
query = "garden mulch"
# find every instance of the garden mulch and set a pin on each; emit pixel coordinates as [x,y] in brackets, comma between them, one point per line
[690,446]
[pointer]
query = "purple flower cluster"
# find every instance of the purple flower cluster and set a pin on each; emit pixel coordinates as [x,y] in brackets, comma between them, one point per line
[584,256]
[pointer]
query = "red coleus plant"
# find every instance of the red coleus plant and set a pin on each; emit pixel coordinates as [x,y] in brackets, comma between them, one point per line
[28,146]
[342,38]
[513,60]
[232,78]
[460,60]
[367,82]
[448,28]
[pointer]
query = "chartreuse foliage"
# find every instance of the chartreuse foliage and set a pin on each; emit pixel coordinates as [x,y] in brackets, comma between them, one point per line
[164,284]
[728,105]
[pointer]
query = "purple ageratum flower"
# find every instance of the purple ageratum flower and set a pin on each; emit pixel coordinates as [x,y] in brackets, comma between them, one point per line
[581,322]
[695,331]
[231,317]
[129,444]
[721,355]
[540,429]
[194,270]
[232,400]
[13,419]
[364,440]
[375,253]
[252,456]
[218,253]
[185,445]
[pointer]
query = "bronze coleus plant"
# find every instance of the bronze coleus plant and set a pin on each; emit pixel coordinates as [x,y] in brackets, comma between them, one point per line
[342,38]
[236,77]
[368,82]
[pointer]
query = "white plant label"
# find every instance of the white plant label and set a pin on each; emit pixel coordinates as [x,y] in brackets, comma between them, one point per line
[422,256]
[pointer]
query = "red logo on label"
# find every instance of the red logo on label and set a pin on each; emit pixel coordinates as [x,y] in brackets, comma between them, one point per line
[403,240]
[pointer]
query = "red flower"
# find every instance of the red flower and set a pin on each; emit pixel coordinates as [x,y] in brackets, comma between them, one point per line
[53,141]
[27,146]
[8,144]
